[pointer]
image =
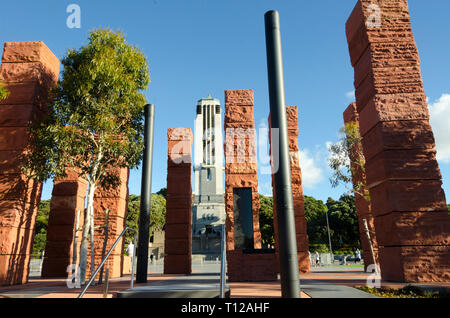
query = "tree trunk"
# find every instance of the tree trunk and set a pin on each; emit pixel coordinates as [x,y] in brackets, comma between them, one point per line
[105,242]
[86,233]
[92,245]
[75,245]
[88,222]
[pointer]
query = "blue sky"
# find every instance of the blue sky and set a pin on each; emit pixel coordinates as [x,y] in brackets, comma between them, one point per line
[200,47]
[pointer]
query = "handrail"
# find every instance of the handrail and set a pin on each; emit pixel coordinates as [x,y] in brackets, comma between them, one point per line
[106,257]
[223,257]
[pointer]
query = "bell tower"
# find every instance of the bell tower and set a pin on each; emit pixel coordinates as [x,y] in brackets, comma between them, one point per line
[209,203]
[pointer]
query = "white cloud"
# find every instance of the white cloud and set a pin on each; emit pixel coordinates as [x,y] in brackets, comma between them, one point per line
[312,174]
[440,122]
[350,95]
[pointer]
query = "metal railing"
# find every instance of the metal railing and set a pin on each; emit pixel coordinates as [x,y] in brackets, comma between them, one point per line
[106,257]
[223,258]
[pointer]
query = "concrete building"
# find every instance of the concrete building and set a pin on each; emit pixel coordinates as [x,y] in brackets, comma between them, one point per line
[208,211]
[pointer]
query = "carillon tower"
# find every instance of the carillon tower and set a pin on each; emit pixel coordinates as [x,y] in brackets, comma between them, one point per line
[209,203]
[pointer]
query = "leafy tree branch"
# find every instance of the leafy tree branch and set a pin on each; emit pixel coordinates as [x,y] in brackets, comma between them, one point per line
[347,161]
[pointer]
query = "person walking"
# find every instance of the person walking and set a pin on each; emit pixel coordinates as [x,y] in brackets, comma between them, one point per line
[130,249]
[357,256]
[130,253]
[317,259]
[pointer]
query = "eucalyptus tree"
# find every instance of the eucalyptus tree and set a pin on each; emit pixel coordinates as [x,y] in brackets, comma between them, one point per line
[95,120]
[347,161]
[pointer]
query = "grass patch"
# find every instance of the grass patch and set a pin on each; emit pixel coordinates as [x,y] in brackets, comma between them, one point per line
[405,292]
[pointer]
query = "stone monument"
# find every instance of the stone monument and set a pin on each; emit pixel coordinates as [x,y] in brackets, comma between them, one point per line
[178,228]
[403,177]
[29,69]
[245,259]
[304,262]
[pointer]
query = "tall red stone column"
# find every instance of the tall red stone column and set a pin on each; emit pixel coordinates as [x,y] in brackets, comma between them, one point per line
[116,201]
[68,196]
[304,262]
[178,228]
[241,173]
[408,203]
[29,69]
[363,208]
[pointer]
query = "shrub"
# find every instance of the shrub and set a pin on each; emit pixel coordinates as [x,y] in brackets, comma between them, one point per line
[321,248]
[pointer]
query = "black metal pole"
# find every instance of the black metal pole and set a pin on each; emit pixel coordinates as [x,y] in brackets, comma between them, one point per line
[329,236]
[289,272]
[146,192]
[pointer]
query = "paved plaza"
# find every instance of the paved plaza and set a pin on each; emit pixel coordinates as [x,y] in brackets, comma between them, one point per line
[322,282]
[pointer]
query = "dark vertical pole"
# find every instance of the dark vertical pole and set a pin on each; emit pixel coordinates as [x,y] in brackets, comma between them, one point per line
[146,192]
[329,236]
[290,284]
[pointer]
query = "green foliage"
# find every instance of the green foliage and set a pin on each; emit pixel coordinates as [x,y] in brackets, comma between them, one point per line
[347,160]
[315,215]
[40,236]
[342,220]
[266,220]
[448,207]
[405,292]
[95,122]
[343,252]
[39,244]
[157,214]
[42,216]
[163,192]
[3,91]
[132,215]
[320,248]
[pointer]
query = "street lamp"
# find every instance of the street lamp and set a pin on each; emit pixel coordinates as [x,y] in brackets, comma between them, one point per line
[329,237]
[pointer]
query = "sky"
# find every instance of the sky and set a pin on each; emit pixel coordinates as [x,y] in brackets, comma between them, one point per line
[200,47]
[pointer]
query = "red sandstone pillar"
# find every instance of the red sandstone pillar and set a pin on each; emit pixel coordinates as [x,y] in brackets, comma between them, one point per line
[68,196]
[363,209]
[116,201]
[29,69]
[178,228]
[408,203]
[241,172]
[304,262]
